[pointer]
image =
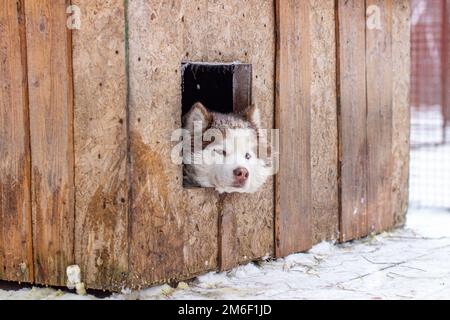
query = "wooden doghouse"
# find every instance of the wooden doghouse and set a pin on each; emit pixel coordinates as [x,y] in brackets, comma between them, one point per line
[87,115]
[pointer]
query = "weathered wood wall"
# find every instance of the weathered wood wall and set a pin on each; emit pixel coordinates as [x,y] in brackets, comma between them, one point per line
[293,232]
[16,255]
[163,214]
[351,49]
[324,124]
[373,115]
[87,116]
[401,60]
[379,119]
[51,129]
[101,177]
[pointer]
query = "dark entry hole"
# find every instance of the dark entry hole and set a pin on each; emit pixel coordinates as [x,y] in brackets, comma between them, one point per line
[221,87]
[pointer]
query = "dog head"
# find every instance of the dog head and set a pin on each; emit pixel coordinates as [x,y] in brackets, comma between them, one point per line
[226,158]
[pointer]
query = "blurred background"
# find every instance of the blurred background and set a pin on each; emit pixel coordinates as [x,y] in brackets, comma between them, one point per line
[430,104]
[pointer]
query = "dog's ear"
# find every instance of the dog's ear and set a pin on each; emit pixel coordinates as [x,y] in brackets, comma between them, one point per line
[198,113]
[253,115]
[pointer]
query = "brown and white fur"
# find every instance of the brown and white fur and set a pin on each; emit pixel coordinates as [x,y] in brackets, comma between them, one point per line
[230,162]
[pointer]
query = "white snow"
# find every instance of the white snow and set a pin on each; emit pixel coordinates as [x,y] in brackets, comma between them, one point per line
[74,280]
[73,276]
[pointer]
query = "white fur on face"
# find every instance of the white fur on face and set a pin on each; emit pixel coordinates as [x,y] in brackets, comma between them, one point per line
[215,165]
[234,146]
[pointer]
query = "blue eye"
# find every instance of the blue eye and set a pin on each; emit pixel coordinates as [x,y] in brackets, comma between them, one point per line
[221,152]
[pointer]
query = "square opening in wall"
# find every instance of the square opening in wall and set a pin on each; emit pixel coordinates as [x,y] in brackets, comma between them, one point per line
[220,87]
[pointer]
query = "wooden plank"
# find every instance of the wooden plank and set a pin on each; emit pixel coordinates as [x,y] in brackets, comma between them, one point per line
[51,125]
[174,231]
[401,59]
[175,234]
[379,119]
[352,118]
[293,118]
[16,256]
[324,124]
[100,133]
[228,242]
[228,221]
[248,231]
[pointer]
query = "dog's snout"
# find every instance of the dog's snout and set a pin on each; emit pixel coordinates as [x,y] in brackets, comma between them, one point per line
[241,175]
[241,172]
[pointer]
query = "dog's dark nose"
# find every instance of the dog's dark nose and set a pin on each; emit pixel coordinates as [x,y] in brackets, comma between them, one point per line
[241,175]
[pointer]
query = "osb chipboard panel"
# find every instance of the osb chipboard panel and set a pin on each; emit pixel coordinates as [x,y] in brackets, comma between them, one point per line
[245,32]
[175,231]
[324,138]
[16,254]
[101,220]
[400,108]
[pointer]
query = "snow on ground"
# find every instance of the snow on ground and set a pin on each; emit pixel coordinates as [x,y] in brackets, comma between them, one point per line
[409,263]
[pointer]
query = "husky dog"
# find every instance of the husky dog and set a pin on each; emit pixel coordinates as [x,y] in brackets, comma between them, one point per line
[227,155]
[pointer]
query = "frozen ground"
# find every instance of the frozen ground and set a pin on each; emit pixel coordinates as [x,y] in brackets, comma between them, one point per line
[410,263]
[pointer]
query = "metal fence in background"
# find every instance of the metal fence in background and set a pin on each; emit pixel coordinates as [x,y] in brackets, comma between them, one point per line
[430,104]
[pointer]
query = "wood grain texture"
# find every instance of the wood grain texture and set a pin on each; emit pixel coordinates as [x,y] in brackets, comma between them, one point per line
[157,231]
[293,231]
[164,215]
[401,60]
[352,118]
[16,256]
[324,125]
[228,224]
[379,120]
[51,126]
[100,129]
[236,31]
[174,231]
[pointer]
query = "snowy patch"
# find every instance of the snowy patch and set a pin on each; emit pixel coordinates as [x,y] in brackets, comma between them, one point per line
[74,280]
